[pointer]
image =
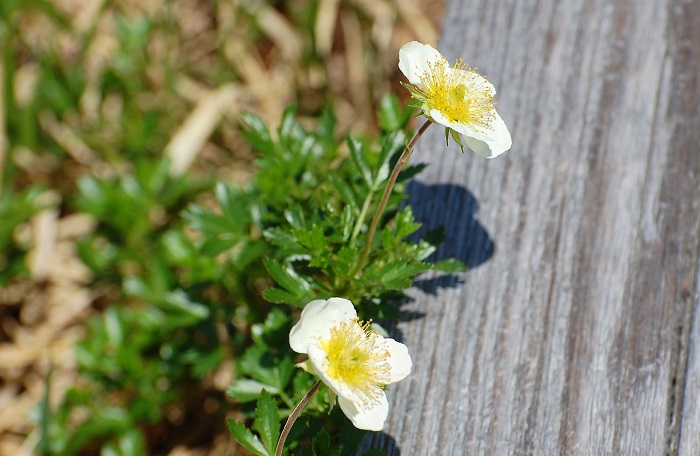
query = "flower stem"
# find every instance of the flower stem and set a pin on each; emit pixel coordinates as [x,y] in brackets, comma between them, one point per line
[385,197]
[363,214]
[293,417]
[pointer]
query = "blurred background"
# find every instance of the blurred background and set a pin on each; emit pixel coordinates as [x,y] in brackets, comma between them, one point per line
[114,116]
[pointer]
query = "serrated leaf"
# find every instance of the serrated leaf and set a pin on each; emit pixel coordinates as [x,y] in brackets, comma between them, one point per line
[399,268]
[313,239]
[405,223]
[246,438]
[398,275]
[267,421]
[343,261]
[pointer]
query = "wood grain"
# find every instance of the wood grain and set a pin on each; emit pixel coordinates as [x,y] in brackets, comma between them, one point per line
[580,335]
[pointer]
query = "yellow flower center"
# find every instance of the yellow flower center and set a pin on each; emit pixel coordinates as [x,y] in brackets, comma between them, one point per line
[458,93]
[357,359]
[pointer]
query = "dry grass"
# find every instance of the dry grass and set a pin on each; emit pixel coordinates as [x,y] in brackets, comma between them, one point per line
[202,68]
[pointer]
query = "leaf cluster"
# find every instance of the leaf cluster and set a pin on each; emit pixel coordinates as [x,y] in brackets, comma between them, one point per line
[309,208]
[175,293]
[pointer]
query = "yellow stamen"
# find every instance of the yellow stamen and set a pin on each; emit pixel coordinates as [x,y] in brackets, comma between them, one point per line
[357,359]
[458,93]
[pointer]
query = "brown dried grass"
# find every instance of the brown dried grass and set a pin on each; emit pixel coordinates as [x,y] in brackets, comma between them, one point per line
[42,317]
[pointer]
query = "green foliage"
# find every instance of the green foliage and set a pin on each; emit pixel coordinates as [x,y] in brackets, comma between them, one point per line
[308,208]
[266,423]
[184,278]
[321,445]
[179,275]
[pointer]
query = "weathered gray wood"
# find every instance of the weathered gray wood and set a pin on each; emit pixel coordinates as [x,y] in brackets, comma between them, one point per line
[581,334]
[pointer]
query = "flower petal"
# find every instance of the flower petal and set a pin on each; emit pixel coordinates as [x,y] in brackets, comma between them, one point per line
[493,145]
[317,320]
[415,59]
[399,360]
[489,143]
[370,419]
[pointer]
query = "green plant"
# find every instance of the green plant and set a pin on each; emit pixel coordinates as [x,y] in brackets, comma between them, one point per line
[314,200]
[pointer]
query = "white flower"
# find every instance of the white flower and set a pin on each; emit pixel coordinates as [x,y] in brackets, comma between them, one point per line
[353,361]
[455,97]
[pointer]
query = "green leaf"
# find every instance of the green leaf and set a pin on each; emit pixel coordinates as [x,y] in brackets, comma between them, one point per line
[246,438]
[247,390]
[257,133]
[321,444]
[391,115]
[358,157]
[267,421]
[265,367]
[344,190]
[398,274]
[343,261]
[180,302]
[278,296]
[405,223]
[313,239]
[450,265]
[389,146]
[280,238]
[287,278]
[347,221]
[295,216]
[411,171]
[274,331]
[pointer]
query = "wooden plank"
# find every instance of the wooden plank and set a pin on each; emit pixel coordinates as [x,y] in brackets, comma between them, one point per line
[576,335]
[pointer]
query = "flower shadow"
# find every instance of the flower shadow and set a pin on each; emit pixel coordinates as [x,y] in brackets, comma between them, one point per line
[453,209]
[379,441]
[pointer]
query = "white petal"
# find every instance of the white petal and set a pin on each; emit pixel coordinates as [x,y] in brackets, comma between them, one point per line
[317,320]
[471,79]
[415,59]
[319,361]
[493,145]
[399,360]
[369,419]
[489,143]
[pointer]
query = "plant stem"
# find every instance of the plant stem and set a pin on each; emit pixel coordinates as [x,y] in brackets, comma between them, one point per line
[363,214]
[293,417]
[385,197]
